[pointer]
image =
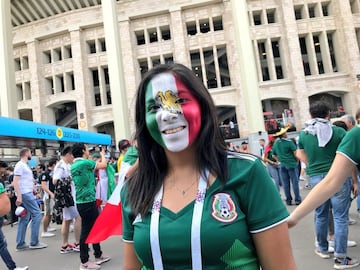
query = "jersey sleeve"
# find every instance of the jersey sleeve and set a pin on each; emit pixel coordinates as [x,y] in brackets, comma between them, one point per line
[258,197]
[91,164]
[300,142]
[350,146]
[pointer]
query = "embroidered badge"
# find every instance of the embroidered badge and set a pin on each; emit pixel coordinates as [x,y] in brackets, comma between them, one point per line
[223,208]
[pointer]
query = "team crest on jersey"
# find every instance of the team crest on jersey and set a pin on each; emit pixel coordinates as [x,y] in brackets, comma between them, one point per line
[223,208]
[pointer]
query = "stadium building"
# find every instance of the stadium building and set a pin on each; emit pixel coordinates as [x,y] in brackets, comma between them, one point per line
[77,63]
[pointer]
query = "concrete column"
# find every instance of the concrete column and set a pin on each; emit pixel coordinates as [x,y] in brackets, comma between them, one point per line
[37,86]
[270,59]
[116,71]
[299,101]
[348,59]
[83,98]
[181,51]
[8,104]
[325,52]
[248,73]
[310,47]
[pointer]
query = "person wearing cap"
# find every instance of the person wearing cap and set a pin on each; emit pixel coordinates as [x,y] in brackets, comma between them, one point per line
[123,147]
[24,188]
[4,209]
[284,151]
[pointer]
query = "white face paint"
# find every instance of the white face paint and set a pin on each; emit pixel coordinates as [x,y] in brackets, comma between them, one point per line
[174,130]
[171,112]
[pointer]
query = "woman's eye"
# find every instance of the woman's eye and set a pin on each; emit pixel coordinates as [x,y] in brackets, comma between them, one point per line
[154,107]
[181,100]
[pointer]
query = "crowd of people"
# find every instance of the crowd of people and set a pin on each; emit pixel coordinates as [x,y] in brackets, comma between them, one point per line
[69,191]
[186,190]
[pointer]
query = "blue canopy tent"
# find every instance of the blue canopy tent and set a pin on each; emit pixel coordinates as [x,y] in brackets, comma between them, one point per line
[16,133]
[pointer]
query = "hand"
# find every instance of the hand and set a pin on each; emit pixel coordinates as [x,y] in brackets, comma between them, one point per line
[18,200]
[355,190]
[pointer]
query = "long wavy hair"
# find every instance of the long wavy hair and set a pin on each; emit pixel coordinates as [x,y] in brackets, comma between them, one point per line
[153,165]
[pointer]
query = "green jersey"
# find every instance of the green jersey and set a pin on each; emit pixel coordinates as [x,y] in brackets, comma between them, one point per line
[284,150]
[2,189]
[320,158]
[247,204]
[350,146]
[82,173]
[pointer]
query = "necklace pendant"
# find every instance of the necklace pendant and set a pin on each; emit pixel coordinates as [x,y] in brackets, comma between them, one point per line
[184,193]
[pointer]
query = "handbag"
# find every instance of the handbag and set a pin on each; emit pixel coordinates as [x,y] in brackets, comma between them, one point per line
[62,193]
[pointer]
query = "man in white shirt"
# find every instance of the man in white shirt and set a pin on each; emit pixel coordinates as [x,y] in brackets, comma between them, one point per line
[24,188]
[62,171]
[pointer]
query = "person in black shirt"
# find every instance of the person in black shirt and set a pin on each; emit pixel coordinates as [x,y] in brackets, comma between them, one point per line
[48,188]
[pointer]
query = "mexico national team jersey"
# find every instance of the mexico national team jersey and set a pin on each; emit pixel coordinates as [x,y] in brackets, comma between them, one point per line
[320,158]
[350,146]
[82,172]
[249,203]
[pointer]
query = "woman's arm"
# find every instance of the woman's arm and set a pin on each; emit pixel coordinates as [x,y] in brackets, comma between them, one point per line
[341,169]
[274,249]
[131,261]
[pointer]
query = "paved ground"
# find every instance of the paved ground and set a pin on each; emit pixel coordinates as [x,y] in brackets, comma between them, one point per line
[302,238]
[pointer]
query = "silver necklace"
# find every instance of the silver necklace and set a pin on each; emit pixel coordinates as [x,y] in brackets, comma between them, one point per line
[184,192]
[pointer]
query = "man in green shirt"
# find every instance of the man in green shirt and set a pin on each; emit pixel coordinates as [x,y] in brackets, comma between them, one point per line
[284,151]
[318,143]
[82,172]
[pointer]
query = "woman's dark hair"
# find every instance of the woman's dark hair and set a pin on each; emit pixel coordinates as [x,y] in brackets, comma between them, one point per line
[153,166]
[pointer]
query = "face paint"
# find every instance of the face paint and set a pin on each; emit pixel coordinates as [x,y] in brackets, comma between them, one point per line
[173,115]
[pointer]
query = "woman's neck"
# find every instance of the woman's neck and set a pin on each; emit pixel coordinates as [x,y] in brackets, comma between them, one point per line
[182,160]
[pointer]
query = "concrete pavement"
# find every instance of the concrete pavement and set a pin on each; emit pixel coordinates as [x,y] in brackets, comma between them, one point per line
[302,238]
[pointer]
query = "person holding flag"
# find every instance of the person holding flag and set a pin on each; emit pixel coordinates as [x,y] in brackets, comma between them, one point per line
[105,181]
[109,221]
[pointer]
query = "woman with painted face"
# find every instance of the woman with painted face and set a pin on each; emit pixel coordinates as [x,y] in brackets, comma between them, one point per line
[191,204]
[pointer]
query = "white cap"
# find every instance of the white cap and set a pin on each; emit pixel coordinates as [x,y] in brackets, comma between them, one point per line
[20,211]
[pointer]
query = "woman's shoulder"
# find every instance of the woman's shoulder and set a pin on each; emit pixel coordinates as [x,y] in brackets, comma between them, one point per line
[235,157]
[242,163]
